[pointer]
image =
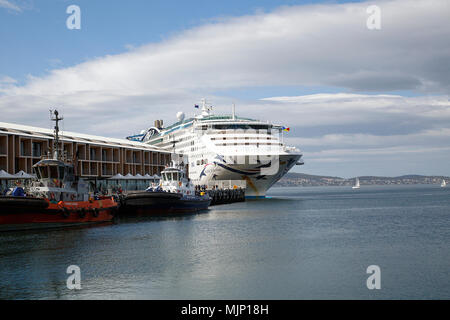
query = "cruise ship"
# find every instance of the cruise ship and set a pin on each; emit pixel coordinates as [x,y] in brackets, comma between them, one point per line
[226,147]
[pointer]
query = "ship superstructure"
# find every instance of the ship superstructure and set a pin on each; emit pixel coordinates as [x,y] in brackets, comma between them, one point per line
[227,147]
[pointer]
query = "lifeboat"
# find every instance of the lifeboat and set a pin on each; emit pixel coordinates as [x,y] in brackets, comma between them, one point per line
[56,198]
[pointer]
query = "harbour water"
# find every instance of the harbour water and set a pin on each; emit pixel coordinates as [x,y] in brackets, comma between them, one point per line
[300,243]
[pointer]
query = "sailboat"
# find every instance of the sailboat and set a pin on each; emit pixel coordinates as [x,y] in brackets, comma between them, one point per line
[357,185]
[443,184]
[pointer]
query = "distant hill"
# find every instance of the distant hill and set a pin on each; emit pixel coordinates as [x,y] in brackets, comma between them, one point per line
[302,179]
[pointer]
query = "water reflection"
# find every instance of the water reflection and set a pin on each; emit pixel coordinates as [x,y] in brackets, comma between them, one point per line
[299,244]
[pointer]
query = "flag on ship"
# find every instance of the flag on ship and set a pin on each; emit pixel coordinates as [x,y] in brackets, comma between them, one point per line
[286,129]
[196,106]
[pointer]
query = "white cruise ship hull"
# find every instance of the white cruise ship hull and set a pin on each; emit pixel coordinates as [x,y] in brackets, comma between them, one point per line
[257,184]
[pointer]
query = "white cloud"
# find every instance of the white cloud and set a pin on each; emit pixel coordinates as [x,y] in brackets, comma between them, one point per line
[6,83]
[435,136]
[9,5]
[376,151]
[7,79]
[345,109]
[367,134]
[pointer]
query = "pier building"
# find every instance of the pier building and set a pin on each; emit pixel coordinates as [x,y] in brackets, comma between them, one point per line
[94,157]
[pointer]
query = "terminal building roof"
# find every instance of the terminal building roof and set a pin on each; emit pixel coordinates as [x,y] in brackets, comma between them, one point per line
[67,136]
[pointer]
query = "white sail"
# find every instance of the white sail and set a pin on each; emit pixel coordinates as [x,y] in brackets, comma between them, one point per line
[357,185]
[443,184]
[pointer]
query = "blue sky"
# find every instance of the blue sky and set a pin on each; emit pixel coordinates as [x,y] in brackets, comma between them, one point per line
[360,102]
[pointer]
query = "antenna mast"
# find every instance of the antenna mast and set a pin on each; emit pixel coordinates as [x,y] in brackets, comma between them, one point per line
[56,153]
[205,108]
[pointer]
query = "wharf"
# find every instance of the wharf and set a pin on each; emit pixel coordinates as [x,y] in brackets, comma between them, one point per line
[223,196]
[225,191]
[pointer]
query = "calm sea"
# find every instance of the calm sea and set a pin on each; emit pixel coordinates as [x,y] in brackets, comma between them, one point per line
[300,243]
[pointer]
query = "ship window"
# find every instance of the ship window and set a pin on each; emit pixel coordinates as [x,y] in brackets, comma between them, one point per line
[61,173]
[44,172]
[53,172]
[241,126]
[69,173]
[175,176]
[38,173]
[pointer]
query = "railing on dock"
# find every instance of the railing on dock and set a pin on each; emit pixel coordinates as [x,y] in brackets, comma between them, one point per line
[226,184]
[224,191]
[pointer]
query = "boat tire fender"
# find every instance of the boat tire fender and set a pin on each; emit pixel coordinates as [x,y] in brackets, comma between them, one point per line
[65,212]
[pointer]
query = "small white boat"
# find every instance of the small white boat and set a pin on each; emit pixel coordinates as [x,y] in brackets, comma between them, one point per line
[357,185]
[443,184]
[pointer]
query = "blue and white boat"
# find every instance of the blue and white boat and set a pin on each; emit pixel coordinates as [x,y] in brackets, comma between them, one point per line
[174,194]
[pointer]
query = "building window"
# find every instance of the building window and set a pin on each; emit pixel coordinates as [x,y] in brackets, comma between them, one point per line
[93,154]
[22,148]
[37,149]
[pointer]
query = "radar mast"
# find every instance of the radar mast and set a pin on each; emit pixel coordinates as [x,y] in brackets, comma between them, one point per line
[54,116]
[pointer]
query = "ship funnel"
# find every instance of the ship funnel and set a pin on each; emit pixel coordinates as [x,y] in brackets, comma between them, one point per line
[158,124]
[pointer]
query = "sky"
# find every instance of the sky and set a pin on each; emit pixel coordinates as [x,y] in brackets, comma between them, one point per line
[359,101]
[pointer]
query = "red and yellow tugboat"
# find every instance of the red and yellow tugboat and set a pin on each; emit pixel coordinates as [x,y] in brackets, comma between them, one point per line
[56,198]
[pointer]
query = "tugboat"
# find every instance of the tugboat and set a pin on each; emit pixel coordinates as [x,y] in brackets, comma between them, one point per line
[56,198]
[175,194]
